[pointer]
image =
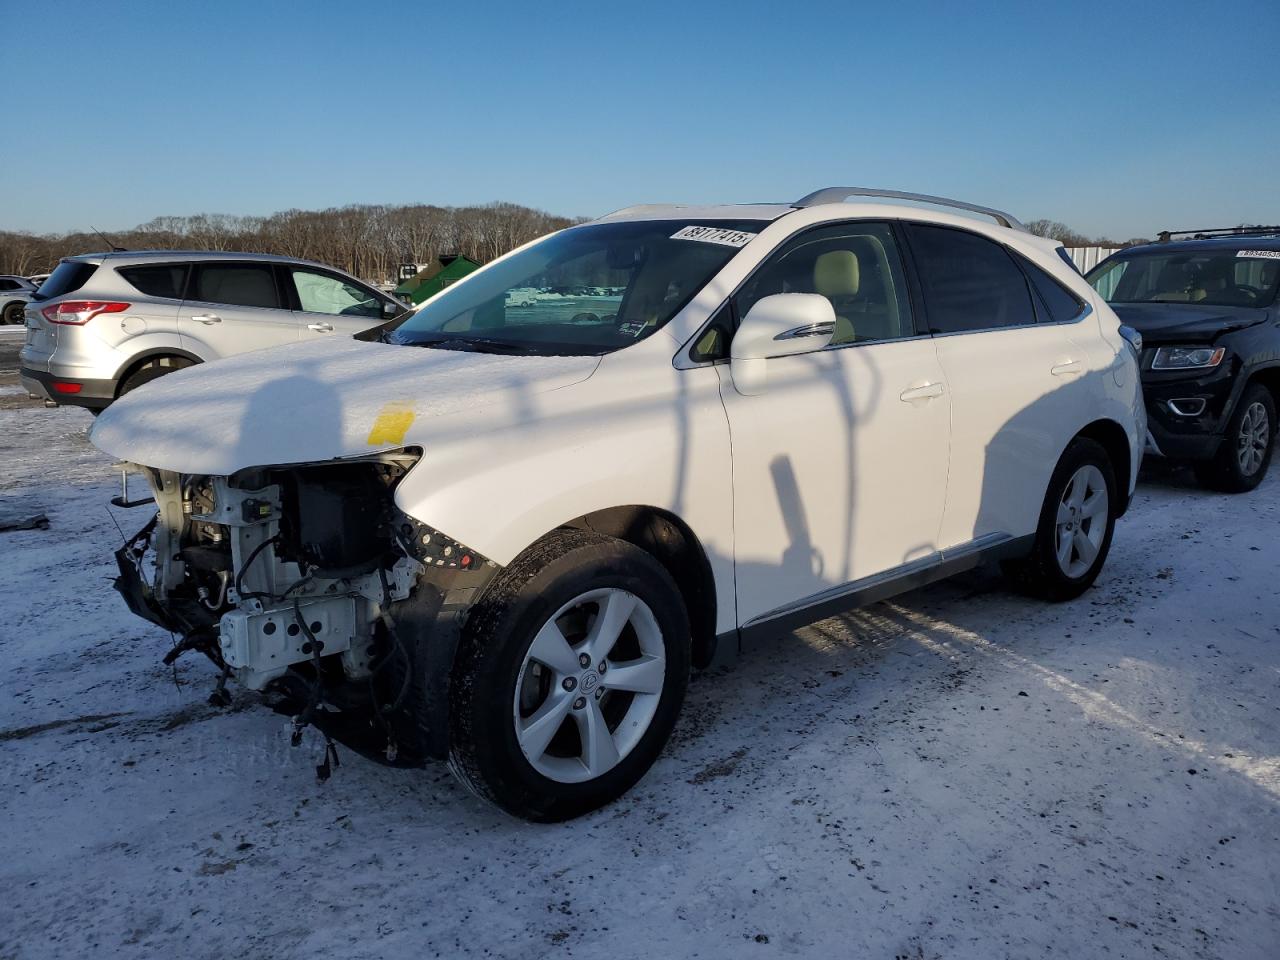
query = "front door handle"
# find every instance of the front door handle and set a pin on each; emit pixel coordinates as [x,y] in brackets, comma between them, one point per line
[922,391]
[206,318]
[1068,368]
[321,327]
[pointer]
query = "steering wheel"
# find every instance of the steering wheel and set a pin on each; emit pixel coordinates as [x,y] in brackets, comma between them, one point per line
[584,318]
[1250,294]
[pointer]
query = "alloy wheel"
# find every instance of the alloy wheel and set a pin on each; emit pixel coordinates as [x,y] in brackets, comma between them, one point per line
[589,685]
[1252,441]
[1081,522]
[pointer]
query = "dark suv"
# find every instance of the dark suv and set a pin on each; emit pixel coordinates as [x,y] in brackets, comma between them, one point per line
[1206,305]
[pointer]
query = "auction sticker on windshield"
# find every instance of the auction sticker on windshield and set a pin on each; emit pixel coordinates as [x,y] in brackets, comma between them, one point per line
[1261,254]
[728,238]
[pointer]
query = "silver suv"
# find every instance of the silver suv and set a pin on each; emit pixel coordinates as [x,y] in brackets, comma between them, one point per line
[104,324]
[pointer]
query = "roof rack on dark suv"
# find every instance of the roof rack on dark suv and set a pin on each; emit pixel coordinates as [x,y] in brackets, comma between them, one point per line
[1164,236]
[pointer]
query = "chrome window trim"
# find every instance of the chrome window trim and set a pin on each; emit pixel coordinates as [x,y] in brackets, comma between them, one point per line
[1084,312]
[682,360]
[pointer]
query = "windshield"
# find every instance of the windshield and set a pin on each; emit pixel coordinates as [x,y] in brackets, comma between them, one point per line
[1218,278]
[587,290]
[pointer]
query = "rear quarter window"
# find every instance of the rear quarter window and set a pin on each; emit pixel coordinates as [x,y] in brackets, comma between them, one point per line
[69,277]
[157,280]
[1054,302]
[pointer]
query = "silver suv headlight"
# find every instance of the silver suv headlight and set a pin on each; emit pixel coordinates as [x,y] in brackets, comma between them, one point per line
[1187,358]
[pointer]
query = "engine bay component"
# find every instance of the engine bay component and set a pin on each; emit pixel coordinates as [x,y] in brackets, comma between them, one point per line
[339,517]
[308,584]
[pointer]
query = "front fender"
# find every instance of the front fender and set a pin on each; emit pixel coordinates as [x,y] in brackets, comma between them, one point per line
[635,433]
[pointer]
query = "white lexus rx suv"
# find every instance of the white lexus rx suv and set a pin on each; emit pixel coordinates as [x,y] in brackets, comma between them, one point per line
[501,530]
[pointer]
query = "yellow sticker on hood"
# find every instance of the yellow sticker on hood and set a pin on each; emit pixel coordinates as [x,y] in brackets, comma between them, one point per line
[393,422]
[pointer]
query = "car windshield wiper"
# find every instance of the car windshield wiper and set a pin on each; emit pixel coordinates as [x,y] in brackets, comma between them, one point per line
[472,344]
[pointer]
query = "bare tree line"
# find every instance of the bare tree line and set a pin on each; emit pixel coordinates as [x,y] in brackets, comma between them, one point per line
[369,241]
[1071,238]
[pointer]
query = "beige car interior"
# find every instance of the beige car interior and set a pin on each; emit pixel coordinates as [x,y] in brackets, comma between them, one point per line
[853,272]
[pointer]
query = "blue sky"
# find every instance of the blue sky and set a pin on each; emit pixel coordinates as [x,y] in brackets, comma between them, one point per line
[1116,118]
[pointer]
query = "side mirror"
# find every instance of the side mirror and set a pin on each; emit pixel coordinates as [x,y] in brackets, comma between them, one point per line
[390,308]
[778,326]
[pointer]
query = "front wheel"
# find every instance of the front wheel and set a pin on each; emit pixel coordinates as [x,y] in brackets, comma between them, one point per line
[1245,453]
[1076,524]
[13,313]
[570,677]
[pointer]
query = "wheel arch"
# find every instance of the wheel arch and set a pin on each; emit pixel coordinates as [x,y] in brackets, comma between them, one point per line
[138,361]
[1113,438]
[1269,377]
[671,542]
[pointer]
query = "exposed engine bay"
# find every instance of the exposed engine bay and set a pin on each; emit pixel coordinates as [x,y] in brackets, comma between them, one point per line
[291,579]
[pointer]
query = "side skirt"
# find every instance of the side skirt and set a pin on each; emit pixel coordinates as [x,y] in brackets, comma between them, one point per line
[868,590]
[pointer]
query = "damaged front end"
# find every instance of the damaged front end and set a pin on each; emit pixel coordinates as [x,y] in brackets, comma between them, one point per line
[308,583]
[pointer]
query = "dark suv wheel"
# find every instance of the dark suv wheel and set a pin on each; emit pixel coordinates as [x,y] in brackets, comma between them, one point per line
[1246,449]
[570,676]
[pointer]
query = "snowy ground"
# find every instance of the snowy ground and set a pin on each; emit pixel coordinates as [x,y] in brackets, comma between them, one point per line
[956,773]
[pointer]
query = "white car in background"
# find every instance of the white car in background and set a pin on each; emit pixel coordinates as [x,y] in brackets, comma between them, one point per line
[504,535]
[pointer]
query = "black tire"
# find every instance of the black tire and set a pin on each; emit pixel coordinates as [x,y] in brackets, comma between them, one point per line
[1040,573]
[13,313]
[1227,472]
[484,752]
[153,369]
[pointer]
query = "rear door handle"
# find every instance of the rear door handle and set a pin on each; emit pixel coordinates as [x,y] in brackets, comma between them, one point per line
[206,318]
[321,327]
[923,391]
[1068,368]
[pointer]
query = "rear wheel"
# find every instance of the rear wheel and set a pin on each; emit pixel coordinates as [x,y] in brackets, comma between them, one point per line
[570,676]
[153,369]
[1076,525]
[1246,449]
[13,313]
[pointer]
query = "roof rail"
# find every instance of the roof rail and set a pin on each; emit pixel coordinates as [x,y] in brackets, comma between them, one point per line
[840,194]
[1164,236]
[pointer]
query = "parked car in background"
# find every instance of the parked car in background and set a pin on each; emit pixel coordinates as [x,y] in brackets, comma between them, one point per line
[14,294]
[1208,310]
[38,278]
[502,533]
[105,324]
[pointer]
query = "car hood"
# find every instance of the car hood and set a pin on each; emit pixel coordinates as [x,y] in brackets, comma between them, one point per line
[1185,322]
[316,402]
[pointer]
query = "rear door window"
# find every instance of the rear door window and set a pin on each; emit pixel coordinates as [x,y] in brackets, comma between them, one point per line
[167,280]
[236,284]
[320,292]
[970,282]
[68,277]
